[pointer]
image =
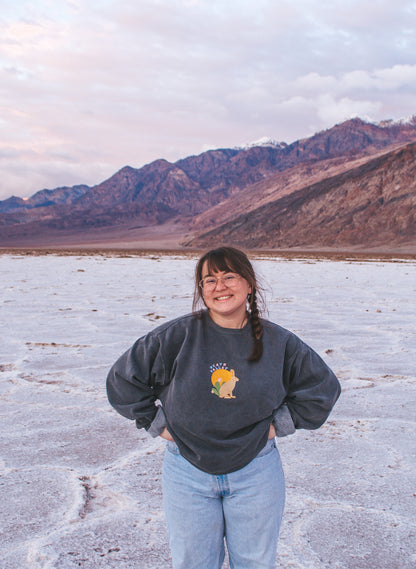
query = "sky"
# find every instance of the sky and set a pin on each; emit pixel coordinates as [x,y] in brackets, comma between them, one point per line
[88,87]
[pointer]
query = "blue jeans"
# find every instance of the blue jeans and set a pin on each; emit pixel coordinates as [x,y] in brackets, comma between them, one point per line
[243,508]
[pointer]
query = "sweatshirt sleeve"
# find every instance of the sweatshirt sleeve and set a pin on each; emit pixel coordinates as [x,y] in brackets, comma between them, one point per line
[312,388]
[283,422]
[158,424]
[136,379]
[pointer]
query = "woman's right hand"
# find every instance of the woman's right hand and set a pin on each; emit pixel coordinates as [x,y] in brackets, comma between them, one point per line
[165,434]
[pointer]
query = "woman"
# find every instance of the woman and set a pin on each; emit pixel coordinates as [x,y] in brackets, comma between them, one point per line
[219,385]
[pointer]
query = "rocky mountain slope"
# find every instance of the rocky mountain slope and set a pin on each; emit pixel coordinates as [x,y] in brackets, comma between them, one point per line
[371,202]
[295,191]
[44,198]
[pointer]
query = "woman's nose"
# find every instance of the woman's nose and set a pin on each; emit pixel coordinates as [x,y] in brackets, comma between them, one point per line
[220,284]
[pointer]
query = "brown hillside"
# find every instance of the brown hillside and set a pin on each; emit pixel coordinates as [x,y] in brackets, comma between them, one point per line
[275,195]
[370,203]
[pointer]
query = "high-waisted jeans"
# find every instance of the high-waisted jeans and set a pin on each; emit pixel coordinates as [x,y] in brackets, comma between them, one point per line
[243,509]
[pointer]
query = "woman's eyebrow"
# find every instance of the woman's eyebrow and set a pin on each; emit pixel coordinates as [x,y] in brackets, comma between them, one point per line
[225,273]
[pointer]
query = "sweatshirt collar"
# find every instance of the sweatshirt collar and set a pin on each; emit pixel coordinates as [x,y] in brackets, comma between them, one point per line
[222,330]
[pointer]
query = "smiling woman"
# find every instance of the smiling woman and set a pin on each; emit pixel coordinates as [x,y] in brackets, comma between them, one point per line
[225,295]
[227,283]
[219,385]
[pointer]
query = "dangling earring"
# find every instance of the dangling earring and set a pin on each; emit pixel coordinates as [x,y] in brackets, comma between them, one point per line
[249,297]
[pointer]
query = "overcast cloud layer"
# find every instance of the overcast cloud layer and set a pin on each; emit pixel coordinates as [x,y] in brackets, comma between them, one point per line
[88,87]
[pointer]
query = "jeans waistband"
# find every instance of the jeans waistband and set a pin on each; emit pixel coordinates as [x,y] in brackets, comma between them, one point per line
[271,443]
[172,447]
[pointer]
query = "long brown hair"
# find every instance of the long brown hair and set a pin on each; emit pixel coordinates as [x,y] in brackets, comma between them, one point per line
[229,259]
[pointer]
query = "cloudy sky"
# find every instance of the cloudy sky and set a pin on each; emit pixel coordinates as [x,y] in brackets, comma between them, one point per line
[89,86]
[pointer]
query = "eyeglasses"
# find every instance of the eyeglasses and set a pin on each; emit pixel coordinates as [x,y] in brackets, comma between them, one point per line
[208,284]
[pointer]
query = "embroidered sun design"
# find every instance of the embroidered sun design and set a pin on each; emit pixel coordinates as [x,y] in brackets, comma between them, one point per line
[214,367]
[223,380]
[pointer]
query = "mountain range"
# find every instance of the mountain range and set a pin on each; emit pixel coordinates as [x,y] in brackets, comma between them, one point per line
[350,187]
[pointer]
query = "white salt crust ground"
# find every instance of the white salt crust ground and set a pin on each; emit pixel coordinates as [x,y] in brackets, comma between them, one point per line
[80,486]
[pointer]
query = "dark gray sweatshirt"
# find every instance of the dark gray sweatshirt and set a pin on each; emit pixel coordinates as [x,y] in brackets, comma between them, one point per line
[219,406]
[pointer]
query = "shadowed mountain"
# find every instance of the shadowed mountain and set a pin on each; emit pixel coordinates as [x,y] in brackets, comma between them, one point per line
[225,192]
[371,202]
[44,198]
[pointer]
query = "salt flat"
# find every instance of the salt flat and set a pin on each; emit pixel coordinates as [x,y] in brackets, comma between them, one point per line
[80,486]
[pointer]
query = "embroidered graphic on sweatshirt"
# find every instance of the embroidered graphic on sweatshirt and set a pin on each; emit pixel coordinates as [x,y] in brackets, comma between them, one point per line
[223,381]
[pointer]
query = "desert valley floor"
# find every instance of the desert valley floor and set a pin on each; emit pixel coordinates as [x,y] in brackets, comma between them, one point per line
[80,486]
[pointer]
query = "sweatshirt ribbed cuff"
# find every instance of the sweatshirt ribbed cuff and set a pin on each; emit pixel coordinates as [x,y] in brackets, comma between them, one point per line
[283,422]
[158,423]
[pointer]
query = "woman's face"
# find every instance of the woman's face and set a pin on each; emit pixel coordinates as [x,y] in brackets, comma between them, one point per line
[226,300]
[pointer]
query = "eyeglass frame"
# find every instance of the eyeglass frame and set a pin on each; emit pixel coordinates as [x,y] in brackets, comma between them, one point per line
[220,278]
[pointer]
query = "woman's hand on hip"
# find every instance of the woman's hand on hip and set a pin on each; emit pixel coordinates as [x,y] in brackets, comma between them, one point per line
[165,434]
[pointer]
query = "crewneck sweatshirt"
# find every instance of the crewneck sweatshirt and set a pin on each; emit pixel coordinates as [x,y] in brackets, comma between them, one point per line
[218,405]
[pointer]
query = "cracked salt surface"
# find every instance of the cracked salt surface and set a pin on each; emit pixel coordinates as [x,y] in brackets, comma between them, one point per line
[80,485]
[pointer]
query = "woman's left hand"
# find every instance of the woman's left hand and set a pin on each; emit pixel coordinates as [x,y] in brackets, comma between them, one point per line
[272,432]
[165,434]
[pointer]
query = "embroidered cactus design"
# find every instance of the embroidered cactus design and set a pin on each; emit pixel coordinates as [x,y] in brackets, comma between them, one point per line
[223,381]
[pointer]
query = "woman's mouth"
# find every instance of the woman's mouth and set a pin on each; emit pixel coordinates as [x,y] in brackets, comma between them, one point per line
[224,297]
